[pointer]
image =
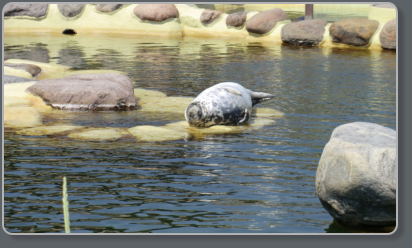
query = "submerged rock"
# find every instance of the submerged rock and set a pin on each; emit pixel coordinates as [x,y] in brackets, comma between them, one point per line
[20,117]
[236,19]
[87,92]
[47,130]
[353,31]
[98,134]
[308,32]
[152,133]
[70,10]
[357,175]
[388,35]
[7,79]
[265,21]
[208,16]
[34,70]
[156,12]
[32,10]
[108,7]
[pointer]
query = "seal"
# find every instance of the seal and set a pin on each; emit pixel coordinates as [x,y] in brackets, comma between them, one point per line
[223,104]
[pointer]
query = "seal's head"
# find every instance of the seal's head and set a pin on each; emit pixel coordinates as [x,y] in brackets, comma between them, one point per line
[197,115]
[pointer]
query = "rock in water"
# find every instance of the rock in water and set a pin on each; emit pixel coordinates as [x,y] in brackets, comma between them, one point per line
[357,175]
[87,92]
[236,19]
[156,12]
[353,31]
[308,32]
[209,16]
[388,35]
[265,21]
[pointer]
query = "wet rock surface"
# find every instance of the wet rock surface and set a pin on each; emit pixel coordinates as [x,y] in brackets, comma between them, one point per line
[34,70]
[308,32]
[357,175]
[156,12]
[353,31]
[265,21]
[70,10]
[87,92]
[236,19]
[388,35]
[208,16]
[108,7]
[32,10]
[13,79]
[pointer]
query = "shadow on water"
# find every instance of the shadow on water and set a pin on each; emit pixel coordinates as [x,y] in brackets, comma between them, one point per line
[335,227]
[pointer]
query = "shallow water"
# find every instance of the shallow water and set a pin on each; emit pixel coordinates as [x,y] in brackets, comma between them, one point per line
[256,181]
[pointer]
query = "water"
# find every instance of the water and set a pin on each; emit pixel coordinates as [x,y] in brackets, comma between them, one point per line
[257,181]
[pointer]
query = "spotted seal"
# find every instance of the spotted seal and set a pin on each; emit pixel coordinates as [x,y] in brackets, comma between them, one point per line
[223,104]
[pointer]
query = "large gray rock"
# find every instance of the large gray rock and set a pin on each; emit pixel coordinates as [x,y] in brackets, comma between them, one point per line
[108,7]
[13,79]
[156,12]
[357,175]
[236,19]
[308,32]
[70,10]
[388,35]
[34,70]
[209,16]
[87,92]
[32,10]
[353,31]
[265,21]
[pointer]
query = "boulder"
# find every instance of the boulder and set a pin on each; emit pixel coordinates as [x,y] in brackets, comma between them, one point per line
[388,35]
[353,31]
[308,32]
[236,19]
[13,79]
[208,16]
[357,175]
[87,92]
[34,70]
[32,10]
[108,7]
[156,12]
[265,21]
[70,10]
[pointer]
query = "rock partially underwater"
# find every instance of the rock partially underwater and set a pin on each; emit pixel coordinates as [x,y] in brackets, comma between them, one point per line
[87,92]
[357,175]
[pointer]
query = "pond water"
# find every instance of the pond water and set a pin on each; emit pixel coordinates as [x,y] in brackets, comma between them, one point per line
[256,181]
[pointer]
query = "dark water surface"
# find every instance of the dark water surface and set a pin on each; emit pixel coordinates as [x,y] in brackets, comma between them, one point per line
[258,181]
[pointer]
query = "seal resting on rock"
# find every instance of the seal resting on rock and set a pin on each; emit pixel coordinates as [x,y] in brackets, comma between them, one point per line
[223,104]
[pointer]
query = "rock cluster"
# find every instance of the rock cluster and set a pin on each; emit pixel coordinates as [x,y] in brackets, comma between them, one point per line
[357,174]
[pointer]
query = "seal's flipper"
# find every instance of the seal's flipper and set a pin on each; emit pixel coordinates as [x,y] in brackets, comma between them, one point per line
[245,117]
[233,91]
[258,97]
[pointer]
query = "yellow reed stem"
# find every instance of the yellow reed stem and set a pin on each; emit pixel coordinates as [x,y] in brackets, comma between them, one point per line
[66,207]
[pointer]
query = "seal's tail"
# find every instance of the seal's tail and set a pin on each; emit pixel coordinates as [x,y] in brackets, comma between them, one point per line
[258,97]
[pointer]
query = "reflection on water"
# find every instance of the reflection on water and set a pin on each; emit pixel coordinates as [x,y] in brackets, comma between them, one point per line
[255,181]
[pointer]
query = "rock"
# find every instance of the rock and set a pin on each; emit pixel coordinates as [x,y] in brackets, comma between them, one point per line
[236,19]
[156,12]
[34,70]
[47,130]
[32,10]
[70,10]
[108,7]
[13,79]
[357,173]
[388,35]
[98,134]
[153,134]
[87,92]
[308,32]
[19,117]
[265,21]
[353,31]
[208,16]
